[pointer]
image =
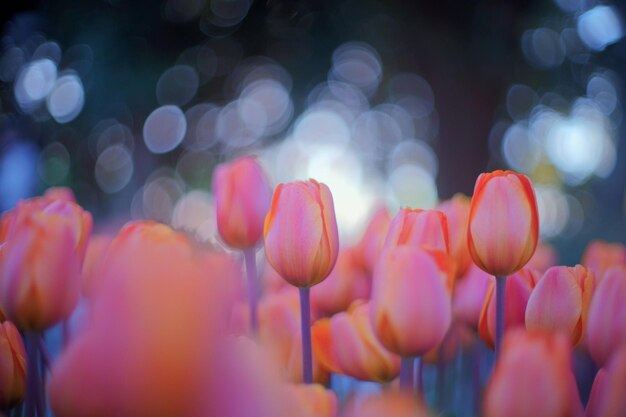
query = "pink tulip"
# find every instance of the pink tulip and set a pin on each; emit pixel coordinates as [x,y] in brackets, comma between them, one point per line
[533,378]
[242,199]
[518,290]
[503,222]
[388,403]
[607,397]
[96,250]
[606,324]
[12,366]
[560,301]
[346,344]
[410,308]
[456,210]
[308,401]
[301,237]
[469,296]
[60,193]
[415,227]
[371,244]
[600,256]
[545,256]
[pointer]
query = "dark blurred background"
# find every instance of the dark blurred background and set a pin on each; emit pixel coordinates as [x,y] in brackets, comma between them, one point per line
[131,104]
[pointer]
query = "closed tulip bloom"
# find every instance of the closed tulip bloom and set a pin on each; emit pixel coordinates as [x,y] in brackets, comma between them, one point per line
[12,366]
[346,344]
[410,307]
[600,256]
[41,263]
[560,301]
[503,222]
[457,212]
[415,227]
[519,287]
[301,237]
[607,397]
[533,378]
[606,325]
[371,244]
[96,250]
[470,294]
[242,199]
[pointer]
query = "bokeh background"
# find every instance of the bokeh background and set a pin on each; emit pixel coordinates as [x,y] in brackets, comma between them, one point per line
[404,103]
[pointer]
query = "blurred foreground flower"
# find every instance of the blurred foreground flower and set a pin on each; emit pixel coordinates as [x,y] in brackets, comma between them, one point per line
[416,227]
[600,256]
[607,397]
[371,244]
[388,404]
[12,366]
[456,210]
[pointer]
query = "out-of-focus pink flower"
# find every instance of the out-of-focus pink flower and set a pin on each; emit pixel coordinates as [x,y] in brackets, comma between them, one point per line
[371,244]
[600,256]
[607,397]
[389,403]
[153,334]
[606,324]
[456,210]
[301,237]
[242,200]
[503,222]
[12,366]
[347,282]
[346,344]
[60,193]
[96,250]
[560,301]
[308,400]
[43,251]
[469,296]
[410,308]
[545,256]
[416,227]
[533,378]
[518,289]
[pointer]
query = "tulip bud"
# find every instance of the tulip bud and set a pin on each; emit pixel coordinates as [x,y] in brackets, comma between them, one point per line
[345,343]
[600,256]
[518,290]
[606,325]
[560,301]
[457,212]
[410,307]
[469,295]
[533,378]
[607,397]
[503,222]
[242,198]
[415,227]
[12,366]
[301,237]
[371,244]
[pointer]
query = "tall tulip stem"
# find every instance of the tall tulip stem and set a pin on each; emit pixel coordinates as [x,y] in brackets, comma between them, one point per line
[419,377]
[305,315]
[406,373]
[34,403]
[253,289]
[500,300]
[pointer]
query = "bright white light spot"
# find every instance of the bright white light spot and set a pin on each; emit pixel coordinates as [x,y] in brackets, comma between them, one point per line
[240,123]
[411,186]
[416,153]
[273,99]
[601,90]
[553,210]
[164,129]
[177,85]
[374,133]
[520,148]
[600,27]
[34,82]
[114,169]
[66,99]
[194,212]
[321,128]
[357,63]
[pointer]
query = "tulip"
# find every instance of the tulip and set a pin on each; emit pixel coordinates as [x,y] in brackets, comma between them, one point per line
[60,193]
[12,366]
[347,282]
[607,394]
[470,294]
[518,290]
[41,261]
[308,401]
[560,301]
[457,212]
[533,378]
[410,307]
[387,403]
[302,244]
[606,324]
[600,256]
[96,250]
[346,344]
[415,227]
[544,257]
[371,244]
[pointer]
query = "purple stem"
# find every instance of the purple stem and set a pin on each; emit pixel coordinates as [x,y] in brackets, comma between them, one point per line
[500,300]
[406,373]
[305,315]
[45,354]
[253,290]
[476,382]
[32,375]
[419,371]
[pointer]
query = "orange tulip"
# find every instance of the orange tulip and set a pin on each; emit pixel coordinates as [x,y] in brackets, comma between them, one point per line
[45,244]
[371,244]
[347,282]
[301,237]
[96,250]
[533,378]
[606,324]
[12,366]
[410,307]
[457,212]
[518,290]
[469,295]
[242,199]
[345,344]
[415,227]
[503,222]
[560,301]
[607,397]
[600,256]
[311,400]
[388,403]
